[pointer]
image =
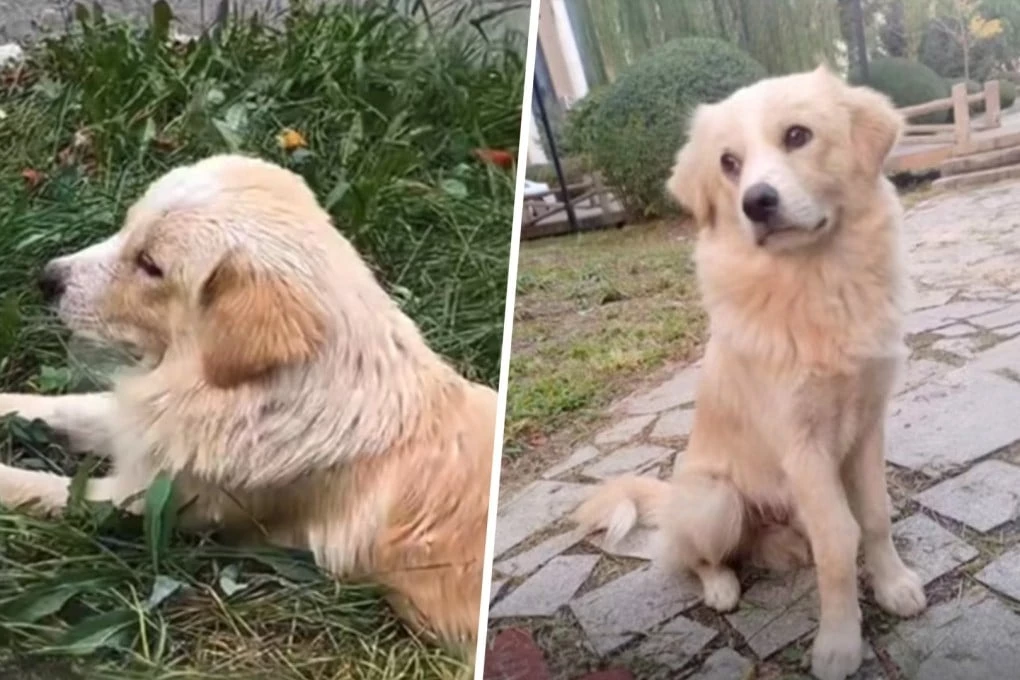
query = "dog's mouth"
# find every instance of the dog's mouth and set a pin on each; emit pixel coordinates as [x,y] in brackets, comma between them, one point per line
[766,232]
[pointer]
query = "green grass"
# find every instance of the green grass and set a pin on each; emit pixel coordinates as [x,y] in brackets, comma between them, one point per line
[391,110]
[593,313]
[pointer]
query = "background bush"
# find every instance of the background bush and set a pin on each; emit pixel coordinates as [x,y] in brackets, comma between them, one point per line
[1007,92]
[633,128]
[907,83]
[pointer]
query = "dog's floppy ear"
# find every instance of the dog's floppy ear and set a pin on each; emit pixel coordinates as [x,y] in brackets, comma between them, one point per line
[875,126]
[687,182]
[254,321]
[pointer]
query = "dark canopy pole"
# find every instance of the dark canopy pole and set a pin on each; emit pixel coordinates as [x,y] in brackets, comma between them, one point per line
[537,96]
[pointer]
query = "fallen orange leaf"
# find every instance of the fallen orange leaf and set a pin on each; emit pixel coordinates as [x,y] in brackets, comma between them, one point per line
[503,159]
[33,178]
[291,139]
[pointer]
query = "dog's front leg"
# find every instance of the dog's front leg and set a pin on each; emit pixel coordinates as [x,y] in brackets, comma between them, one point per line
[821,501]
[84,419]
[46,493]
[897,589]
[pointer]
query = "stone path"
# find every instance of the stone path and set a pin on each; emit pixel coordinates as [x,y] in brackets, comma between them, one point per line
[954,470]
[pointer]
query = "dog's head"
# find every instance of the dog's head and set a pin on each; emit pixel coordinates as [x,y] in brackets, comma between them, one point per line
[227,259]
[783,159]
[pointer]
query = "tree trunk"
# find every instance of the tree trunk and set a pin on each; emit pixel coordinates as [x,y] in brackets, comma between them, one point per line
[862,45]
[966,53]
[745,29]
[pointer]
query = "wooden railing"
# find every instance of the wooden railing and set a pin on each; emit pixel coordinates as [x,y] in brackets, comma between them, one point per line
[589,193]
[958,133]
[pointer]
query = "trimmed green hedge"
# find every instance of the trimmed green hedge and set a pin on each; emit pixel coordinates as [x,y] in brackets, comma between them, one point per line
[633,128]
[907,83]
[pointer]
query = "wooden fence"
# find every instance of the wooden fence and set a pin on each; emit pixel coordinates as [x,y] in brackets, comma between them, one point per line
[958,133]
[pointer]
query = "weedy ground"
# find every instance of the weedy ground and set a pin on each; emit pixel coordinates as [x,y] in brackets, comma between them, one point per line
[388,110]
[594,313]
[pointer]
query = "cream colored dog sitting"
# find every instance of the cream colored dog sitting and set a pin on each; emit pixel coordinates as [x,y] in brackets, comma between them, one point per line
[290,396]
[802,276]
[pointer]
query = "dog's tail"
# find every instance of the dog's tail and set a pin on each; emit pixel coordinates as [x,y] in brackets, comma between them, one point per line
[621,504]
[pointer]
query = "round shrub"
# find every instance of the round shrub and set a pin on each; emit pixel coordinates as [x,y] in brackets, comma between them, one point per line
[633,128]
[1007,93]
[907,83]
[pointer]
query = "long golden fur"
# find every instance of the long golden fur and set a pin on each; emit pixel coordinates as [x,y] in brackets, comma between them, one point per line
[289,395]
[802,275]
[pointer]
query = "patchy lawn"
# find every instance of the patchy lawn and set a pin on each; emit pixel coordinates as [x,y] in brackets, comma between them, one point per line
[595,313]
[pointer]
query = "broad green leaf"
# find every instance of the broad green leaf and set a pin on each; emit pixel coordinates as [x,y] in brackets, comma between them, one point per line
[290,567]
[162,15]
[337,193]
[230,136]
[162,588]
[38,604]
[229,583]
[159,517]
[455,188]
[105,630]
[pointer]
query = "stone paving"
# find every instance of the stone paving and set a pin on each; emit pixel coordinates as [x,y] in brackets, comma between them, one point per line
[954,463]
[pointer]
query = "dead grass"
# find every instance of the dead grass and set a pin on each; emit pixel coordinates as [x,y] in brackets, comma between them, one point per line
[595,312]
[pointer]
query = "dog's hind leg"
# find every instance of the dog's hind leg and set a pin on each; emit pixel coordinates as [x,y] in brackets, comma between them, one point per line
[84,419]
[702,528]
[779,547]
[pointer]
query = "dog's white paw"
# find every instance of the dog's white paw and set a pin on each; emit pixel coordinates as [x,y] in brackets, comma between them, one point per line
[722,589]
[837,652]
[901,594]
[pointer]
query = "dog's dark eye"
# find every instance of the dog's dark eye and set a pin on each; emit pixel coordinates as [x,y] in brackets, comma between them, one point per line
[796,136]
[146,264]
[730,164]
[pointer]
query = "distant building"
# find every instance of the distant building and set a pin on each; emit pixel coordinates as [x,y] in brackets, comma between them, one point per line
[559,71]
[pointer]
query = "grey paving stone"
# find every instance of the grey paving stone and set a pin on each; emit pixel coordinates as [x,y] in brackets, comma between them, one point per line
[963,347]
[920,372]
[931,298]
[777,611]
[536,507]
[578,457]
[675,643]
[957,330]
[963,639]
[984,497]
[618,611]
[930,549]
[548,589]
[1005,355]
[495,589]
[1004,317]
[636,458]
[674,424]
[723,664]
[639,543]
[623,431]
[963,416]
[937,317]
[676,391]
[530,560]
[1003,574]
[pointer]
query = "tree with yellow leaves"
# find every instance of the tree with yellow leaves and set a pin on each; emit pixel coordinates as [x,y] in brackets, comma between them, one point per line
[969,25]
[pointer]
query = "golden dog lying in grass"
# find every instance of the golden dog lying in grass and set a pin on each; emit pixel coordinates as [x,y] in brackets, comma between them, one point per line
[289,395]
[802,276]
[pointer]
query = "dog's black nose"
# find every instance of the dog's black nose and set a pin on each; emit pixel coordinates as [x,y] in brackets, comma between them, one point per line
[51,283]
[761,202]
